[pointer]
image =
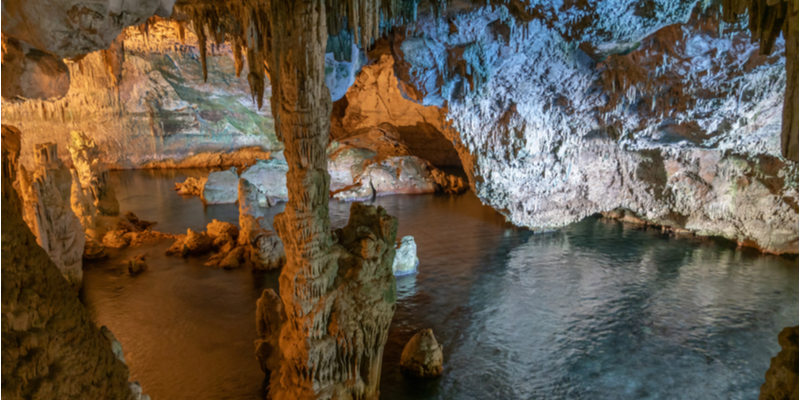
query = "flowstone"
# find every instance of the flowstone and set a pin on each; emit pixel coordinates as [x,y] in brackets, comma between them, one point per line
[47,211]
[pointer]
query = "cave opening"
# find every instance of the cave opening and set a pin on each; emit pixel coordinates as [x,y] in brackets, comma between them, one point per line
[399,199]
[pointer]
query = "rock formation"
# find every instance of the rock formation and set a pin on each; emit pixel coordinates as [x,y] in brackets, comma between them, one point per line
[269,319]
[191,244]
[422,355]
[221,187]
[781,378]
[191,186]
[47,211]
[269,176]
[405,257]
[596,116]
[51,349]
[31,73]
[93,174]
[137,265]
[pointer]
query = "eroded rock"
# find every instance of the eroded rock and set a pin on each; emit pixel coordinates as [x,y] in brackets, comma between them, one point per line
[48,212]
[191,186]
[782,376]
[269,318]
[93,174]
[137,265]
[405,257]
[221,187]
[191,244]
[51,349]
[32,74]
[422,356]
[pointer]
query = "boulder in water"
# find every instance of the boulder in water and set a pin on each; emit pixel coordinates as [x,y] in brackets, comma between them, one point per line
[405,257]
[222,187]
[137,265]
[422,355]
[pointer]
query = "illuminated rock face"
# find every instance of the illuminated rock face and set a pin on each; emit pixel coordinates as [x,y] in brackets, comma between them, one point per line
[51,349]
[47,211]
[156,111]
[653,123]
[32,74]
[93,174]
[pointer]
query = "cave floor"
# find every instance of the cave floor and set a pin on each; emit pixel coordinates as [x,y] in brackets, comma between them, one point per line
[596,310]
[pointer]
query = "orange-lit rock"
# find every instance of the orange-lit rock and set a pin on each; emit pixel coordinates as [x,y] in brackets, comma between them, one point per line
[51,348]
[47,210]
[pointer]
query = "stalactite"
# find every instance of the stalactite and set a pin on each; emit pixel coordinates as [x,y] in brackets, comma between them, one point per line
[114,58]
[767,20]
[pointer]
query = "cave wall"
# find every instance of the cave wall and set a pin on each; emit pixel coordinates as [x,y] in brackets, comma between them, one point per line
[51,347]
[159,111]
[375,98]
[622,105]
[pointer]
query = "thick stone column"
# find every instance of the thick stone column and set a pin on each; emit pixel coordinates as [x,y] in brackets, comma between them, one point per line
[337,291]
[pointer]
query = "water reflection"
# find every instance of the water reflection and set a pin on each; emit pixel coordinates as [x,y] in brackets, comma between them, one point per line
[595,311]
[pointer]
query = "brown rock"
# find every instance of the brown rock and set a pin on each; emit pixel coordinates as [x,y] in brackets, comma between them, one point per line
[191,186]
[116,239]
[269,318]
[217,228]
[422,355]
[782,376]
[137,265]
[192,244]
[51,349]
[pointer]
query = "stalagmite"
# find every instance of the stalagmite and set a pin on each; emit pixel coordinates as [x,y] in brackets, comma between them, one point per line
[51,348]
[48,212]
[93,174]
[422,355]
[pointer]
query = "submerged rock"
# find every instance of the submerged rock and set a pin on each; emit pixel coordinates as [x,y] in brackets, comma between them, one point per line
[405,257]
[422,356]
[782,376]
[221,187]
[137,265]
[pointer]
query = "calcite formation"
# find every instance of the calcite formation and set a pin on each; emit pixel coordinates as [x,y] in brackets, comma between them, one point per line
[158,113]
[48,212]
[51,348]
[422,356]
[782,377]
[270,317]
[405,258]
[32,74]
[92,174]
[624,110]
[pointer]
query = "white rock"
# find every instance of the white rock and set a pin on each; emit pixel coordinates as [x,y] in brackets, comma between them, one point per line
[222,187]
[405,257]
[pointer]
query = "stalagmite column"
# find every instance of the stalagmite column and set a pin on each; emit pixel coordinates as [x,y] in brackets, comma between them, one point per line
[47,211]
[338,297]
[93,174]
[51,348]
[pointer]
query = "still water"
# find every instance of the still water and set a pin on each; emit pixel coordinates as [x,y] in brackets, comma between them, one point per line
[597,310]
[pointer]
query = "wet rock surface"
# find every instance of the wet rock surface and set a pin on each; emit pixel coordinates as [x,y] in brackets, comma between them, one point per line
[781,378]
[422,356]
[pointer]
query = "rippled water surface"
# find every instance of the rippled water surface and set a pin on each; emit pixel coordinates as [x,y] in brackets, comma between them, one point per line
[597,310]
